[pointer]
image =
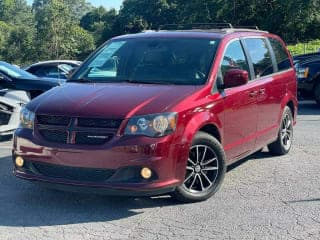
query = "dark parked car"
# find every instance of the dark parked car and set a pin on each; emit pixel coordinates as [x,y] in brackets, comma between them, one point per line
[301,57]
[308,76]
[53,69]
[15,78]
[161,112]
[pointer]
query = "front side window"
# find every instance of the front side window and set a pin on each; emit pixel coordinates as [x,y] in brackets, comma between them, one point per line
[234,58]
[281,55]
[260,56]
[151,60]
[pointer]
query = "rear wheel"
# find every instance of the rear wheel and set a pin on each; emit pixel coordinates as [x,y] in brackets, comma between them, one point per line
[317,93]
[205,170]
[285,136]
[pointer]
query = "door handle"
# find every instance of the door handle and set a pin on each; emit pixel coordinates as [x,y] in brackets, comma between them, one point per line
[253,94]
[262,91]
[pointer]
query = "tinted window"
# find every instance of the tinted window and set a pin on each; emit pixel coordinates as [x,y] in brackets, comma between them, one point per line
[282,57]
[234,58]
[33,70]
[50,71]
[152,60]
[260,56]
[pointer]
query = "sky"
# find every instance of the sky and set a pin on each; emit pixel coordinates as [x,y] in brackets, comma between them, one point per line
[106,3]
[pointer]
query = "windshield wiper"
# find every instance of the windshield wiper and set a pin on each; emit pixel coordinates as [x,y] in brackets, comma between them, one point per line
[151,82]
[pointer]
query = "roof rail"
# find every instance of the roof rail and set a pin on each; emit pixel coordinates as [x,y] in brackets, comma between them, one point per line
[248,27]
[195,26]
[225,27]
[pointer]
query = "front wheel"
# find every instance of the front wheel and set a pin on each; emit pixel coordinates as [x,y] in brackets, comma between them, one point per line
[205,170]
[285,136]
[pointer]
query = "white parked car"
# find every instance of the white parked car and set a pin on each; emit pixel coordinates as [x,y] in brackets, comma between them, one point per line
[11,102]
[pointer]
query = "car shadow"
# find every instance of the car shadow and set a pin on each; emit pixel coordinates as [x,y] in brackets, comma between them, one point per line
[303,201]
[25,204]
[308,108]
[256,156]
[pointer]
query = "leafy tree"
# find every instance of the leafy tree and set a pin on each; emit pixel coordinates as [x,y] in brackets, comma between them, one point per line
[77,9]
[137,15]
[100,23]
[4,33]
[15,12]
[57,32]
[19,48]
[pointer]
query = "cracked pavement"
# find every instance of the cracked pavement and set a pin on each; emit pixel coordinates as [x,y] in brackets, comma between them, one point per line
[262,197]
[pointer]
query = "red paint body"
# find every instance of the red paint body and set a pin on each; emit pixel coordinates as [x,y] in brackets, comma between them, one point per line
[246,118]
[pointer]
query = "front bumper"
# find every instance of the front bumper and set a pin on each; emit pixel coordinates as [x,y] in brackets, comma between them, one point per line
[123,157]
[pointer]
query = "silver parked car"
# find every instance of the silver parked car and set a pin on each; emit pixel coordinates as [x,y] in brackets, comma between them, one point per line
[53,69]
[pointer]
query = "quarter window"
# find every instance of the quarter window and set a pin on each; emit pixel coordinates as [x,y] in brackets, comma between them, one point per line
[234,58]
[281,55]
[260,56]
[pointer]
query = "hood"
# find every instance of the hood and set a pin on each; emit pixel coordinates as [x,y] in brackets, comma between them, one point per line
[109,100]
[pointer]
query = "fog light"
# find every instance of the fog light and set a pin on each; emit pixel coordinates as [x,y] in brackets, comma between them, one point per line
[19,162]
[146,173]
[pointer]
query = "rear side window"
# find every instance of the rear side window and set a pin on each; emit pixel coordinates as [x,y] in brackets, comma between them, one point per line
[260,56]
[234,58]
[281,55]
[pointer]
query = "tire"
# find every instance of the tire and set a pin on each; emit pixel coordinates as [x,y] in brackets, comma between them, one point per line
[317,93]
[205,170]
[285,136]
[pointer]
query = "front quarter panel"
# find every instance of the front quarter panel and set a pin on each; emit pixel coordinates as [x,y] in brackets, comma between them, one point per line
[204,112]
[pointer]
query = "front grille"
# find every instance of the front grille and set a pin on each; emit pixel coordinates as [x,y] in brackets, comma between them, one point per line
[91,138]
[98,123]
[76,131]
[4,118]
[53,120]
[73,173]
[54,135]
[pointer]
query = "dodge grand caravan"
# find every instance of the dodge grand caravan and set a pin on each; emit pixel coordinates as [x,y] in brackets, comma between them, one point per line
[161,112]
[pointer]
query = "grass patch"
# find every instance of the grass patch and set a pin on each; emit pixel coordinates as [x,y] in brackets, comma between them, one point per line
[302,48]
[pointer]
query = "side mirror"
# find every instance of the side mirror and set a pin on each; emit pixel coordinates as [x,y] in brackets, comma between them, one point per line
[235,78]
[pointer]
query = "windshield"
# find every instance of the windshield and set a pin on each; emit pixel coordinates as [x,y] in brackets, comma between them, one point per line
[151,60]
[14,72]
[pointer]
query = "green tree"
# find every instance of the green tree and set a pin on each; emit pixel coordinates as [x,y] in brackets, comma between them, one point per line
[100,23]
[19,47]
[57,31]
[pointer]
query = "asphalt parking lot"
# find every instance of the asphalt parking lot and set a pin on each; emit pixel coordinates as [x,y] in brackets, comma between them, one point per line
[263,197]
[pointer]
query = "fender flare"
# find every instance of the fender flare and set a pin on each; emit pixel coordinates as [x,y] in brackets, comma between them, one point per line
[198,121]
[285,101]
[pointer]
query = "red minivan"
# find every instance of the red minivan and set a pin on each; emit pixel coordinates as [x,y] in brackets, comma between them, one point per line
[161,112]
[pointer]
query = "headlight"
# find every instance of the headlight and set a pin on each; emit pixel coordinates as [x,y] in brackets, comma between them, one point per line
[26,118]
[155,125]
[303,72]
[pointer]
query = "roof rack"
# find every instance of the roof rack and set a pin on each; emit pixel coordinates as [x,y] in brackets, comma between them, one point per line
[247,27]
[195,26]
[226,27]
